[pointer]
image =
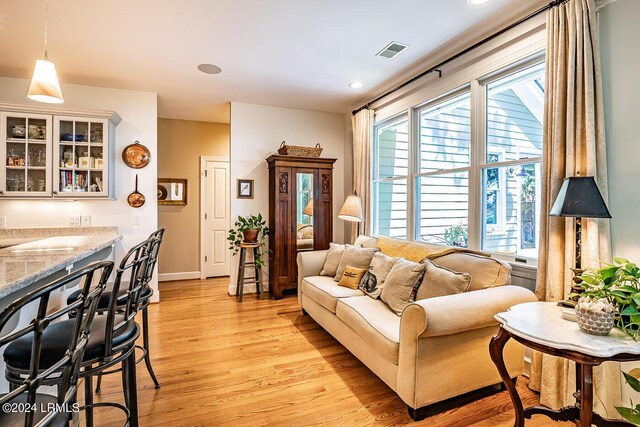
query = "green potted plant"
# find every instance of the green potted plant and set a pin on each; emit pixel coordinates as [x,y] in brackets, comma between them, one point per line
[619,283]
[250,229]
[633,413]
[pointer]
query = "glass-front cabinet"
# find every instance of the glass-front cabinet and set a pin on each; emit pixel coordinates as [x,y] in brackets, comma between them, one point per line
[26,148]
[79,153]
[57,156]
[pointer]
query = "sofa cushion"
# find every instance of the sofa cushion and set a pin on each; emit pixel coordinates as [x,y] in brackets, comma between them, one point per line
[374,322]
[402,282]
[381,265]
[333,259]
[355,256]
[326,292]
[351,277]
[485,272]
[440,281]
[366,241]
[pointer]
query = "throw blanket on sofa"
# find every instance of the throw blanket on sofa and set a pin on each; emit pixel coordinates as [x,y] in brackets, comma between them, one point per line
[417,251]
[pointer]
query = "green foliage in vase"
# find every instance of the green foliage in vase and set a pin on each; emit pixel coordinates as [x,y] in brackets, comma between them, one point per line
[632,413]
[620,284]
[251,222]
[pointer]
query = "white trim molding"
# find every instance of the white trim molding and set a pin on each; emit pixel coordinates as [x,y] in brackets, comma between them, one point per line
[61,111]
[183,275]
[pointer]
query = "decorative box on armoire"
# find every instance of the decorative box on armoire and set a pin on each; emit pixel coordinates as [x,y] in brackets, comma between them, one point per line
[300,214]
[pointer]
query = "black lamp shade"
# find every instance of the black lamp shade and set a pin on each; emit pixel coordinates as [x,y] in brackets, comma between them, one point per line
[579,197]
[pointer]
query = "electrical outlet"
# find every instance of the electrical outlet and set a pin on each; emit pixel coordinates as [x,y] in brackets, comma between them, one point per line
[135,219]
[3,222]
[86,220]
[74,220]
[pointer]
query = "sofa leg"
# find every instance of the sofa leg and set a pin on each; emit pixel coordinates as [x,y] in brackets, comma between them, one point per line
[304,312]
[417,414]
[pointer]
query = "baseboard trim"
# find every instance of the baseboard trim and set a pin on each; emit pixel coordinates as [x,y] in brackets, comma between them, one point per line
[183,275]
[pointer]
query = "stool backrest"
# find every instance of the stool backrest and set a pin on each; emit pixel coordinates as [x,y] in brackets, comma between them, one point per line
[156,236]
[85,307]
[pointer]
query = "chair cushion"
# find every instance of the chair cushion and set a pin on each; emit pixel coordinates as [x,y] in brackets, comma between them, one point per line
[485,272]
[374,322]
[56,338]
[104,298]
[326,292]
[11,419]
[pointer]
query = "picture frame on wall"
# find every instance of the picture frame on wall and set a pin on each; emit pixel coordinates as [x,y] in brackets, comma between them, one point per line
[244,189]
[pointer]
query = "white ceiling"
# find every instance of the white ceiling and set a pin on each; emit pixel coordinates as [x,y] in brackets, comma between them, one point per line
[289,53]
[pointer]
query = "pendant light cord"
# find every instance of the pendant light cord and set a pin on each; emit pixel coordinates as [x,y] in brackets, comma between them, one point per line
[46,22]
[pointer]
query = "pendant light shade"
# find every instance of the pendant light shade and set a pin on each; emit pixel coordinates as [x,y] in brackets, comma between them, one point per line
[45,86]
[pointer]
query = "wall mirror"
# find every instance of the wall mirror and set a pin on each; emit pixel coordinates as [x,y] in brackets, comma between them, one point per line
[304,211]
[172,191]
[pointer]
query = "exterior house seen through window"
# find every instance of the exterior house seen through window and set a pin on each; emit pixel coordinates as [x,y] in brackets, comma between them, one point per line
[455,168]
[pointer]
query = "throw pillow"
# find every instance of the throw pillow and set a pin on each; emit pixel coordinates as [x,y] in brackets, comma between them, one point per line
[333,259]
[351,277]
[400,285]
[381,265]
[439,281]
[366,241]
[355,256]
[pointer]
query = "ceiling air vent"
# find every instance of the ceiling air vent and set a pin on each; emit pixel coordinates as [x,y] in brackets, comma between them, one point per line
[392,49]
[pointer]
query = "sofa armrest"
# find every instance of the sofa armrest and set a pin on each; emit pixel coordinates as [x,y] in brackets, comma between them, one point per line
[452,314]
[310,263]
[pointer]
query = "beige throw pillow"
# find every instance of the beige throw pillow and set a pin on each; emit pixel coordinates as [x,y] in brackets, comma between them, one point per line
[381,265]
[366,241]
[333,259]
[399,286]
[355,256]
[439,281]
[351,277]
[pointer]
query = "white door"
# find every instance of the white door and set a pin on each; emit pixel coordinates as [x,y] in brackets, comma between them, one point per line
[216,223]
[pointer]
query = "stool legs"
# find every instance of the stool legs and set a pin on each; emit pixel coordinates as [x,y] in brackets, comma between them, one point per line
[88,399]
[257,273]
[241,268]
[132,386]
[145,341]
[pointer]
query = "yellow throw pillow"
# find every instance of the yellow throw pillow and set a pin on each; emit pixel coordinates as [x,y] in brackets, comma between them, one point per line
[351,277]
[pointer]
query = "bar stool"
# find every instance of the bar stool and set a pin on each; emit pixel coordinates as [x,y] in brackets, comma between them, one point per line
[64,366]
[111,342]
[242,266]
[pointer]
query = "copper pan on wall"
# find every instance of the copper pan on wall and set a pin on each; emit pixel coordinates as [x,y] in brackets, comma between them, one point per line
[136,155]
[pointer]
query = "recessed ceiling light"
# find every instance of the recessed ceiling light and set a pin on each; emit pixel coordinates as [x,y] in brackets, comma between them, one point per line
[355,85]
[209,69]
[474,2]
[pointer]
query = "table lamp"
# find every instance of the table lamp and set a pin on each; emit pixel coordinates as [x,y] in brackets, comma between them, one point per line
[308,210]
[352,210]
[579,197]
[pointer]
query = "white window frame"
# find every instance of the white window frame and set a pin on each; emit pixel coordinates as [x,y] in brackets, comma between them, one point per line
[501,216]
[477,85]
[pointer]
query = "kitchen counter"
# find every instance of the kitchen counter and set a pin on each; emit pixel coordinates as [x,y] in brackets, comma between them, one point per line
[35,256]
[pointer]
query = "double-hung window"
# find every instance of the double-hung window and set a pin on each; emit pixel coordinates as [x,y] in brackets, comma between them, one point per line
[466,169]
[389,174]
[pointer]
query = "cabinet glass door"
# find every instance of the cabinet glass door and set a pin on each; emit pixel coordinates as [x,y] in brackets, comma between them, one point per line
[80,157]
[304,211]
[26,148]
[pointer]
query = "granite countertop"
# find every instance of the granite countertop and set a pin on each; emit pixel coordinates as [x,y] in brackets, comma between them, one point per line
[36,253]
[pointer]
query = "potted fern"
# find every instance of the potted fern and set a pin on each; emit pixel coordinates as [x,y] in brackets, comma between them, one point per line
[250,229]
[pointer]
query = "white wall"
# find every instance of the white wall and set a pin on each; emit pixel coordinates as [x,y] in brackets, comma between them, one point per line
[256,133]
[619,35]
[139,122]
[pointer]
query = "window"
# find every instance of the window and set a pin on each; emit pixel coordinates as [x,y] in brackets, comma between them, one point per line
[391,166]
[511,180]
[468,165]
[442,182]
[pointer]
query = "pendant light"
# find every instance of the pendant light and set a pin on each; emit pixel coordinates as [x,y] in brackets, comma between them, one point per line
[44,82]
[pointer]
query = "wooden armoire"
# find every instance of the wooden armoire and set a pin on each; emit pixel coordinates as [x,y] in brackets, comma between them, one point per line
[300,214]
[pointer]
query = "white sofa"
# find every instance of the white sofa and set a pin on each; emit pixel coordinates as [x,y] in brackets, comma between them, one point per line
[437,349]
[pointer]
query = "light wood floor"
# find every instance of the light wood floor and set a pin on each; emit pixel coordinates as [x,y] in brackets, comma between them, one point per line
[263,363]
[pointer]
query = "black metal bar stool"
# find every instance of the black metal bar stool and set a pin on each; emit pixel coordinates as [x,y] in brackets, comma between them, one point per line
[111,342]
[145,300]
[43,367]
[242,266]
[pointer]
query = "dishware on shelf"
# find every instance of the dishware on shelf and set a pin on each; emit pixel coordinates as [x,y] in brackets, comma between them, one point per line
[67,137]
[136,155]
[18,131]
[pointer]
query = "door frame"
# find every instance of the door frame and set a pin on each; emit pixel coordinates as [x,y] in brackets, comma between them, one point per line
[203,166]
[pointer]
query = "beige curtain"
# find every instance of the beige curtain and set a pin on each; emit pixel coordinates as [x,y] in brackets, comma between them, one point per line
[574,144]
[362,125]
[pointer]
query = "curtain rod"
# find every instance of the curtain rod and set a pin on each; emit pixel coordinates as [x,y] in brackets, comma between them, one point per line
[436,68]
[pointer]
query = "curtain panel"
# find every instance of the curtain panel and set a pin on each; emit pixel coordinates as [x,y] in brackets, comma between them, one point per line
[362,126]
[574,141]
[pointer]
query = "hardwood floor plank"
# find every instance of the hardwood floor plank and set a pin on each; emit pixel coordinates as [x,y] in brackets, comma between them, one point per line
[262,363]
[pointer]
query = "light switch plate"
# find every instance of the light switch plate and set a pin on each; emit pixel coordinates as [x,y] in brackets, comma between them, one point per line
[3,222]
[135,219]
[74,220]
[86,220]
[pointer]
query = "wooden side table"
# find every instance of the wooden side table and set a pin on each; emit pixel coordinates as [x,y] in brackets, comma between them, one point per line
[540,326]
[242,266]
